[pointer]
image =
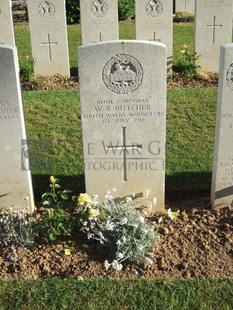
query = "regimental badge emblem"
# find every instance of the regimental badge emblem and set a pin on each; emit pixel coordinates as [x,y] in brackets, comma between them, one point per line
[154,8]
[122,74]
[229,76]
[46,9]
[99,8]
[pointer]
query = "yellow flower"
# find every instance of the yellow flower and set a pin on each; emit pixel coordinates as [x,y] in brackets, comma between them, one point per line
[83,198]
[101,215]
[182,51]
[93,212]
[80,278]
[52,179]
[68,251]
[185,47]
[173,214]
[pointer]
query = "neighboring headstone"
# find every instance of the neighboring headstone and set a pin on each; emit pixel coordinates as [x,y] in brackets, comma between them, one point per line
[6,23]
[123,107]
[185,6]
[48,30]
[213,27]
[99,20]
[154,22]
[15,181]
[222,179]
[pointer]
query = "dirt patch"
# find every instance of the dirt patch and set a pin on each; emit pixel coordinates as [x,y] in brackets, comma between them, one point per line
[58,82]
[199,244]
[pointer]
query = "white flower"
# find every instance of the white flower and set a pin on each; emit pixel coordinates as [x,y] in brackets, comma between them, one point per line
[147,261]
[160,220]
[117,266]
[128,199]
[108,195]
[154,201]
[120,255]
[109,226]
[140,247]
[142,219]
[169,214]
[124,221]
[107,265]
[95,200]
[95,197]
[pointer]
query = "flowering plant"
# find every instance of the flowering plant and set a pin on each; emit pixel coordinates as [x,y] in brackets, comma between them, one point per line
[118,226]
[58,221]
[187,63]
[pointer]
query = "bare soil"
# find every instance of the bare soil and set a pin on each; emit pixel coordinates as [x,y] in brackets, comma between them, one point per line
[199,244]
[57,82]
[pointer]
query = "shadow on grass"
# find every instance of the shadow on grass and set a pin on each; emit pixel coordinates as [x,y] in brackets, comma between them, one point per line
[188,181]
[41,184]
[74,71]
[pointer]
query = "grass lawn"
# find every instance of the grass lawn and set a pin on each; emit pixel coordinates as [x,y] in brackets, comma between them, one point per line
[67,294]
[53,124]
[182,34]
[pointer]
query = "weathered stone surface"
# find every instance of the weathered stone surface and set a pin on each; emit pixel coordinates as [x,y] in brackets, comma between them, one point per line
[213,27]
[48,30]
[123,105]
[99,20]
[15,181]
[222,179]
[6,23]
[154,22]
[185,6]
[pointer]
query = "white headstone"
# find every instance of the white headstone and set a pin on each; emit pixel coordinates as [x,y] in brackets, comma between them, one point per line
[123,107]
[154,22]
[99,20]
[15,181]
[222,178]
[213,27]
[185,6]
[48,30]
[6,23]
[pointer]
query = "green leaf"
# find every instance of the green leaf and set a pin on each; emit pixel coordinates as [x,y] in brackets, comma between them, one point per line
[46,203]
[66,191]
[57,232]
[64,196]
[74,198]
[45,195]
[52,237]
[57,186]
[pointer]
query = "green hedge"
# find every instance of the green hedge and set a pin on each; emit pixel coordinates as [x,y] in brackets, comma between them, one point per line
[126,10]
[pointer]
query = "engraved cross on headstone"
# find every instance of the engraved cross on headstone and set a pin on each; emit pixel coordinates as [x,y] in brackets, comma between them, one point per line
[214,26]
[154,38]
[49,43]
[185,3]
[124,150]
[100,38]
